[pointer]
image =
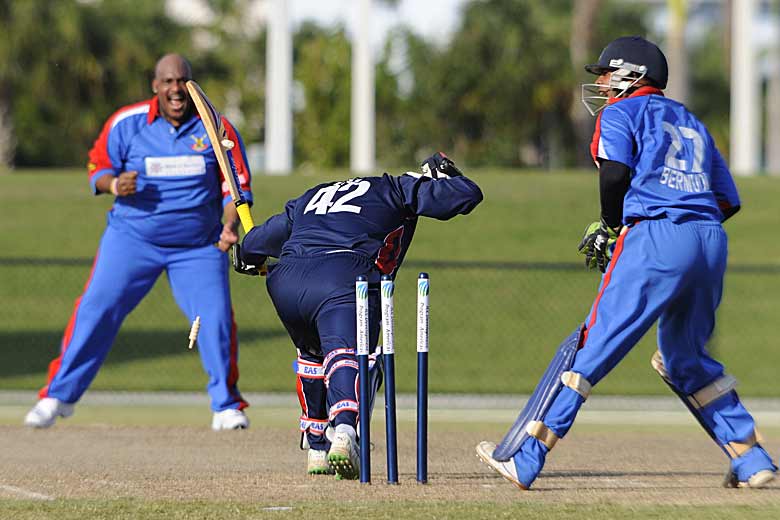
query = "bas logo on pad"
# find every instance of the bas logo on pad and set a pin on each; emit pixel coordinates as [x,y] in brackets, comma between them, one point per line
[199,144]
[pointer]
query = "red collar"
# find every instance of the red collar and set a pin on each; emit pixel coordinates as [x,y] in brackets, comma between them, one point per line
[641,91]
[154,110]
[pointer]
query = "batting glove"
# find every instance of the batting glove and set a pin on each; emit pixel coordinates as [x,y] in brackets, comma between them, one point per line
[240,265]
[439,166]
[596,245]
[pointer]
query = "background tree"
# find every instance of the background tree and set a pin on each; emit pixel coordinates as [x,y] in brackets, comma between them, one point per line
[581,51]
[321,60]
[503,90]
[710,83]
[676,50]
[407,128]
[71,64]
[7,138]
[228,60]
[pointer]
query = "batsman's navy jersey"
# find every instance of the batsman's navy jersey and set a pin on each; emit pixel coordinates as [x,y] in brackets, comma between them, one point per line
[677,171]
[180,189]
[374,217]
[324,239]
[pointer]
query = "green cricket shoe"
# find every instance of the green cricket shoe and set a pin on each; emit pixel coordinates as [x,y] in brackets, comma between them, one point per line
[318,463]
[343,457]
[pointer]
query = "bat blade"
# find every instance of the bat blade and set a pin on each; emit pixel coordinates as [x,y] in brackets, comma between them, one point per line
[215,128]
[222,146]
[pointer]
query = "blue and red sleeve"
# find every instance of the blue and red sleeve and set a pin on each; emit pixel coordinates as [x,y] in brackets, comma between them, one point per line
[613,139]
[241,163]
[723,186]
[594,142]
[107,154]
[100,163]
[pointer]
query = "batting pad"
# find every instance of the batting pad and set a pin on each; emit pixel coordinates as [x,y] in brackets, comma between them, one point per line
[719,398]
[541,399]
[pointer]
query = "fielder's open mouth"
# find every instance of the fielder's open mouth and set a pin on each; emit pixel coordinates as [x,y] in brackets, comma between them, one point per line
[176,102]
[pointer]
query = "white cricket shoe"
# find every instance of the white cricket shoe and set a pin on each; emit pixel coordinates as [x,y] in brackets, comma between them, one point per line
[343,456]
[46,411]
[506,469]
[758,480]
[230,419]
[318,463]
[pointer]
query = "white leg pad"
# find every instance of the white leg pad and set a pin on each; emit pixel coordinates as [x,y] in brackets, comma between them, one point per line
[577,383]
[540,431]
[718,388]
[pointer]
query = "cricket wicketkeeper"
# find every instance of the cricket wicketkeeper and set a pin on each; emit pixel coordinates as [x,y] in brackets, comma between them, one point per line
[665,190]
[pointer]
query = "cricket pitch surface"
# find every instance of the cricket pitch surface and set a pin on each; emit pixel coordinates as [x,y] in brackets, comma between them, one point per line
[170,454]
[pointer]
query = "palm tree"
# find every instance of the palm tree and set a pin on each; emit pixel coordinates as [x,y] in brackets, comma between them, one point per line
[676,50]
[580,46]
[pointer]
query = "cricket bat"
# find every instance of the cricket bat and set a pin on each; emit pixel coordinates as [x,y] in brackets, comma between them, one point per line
[222,146]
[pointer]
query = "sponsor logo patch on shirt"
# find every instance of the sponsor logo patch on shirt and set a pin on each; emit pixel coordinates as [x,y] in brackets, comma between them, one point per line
[199,145]
[175,166]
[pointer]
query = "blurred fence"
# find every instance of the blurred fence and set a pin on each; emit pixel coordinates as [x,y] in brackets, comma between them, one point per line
[494,327]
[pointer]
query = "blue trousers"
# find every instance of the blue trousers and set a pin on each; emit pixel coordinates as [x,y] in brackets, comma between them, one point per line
[124,271]
[315,299]
[665,272]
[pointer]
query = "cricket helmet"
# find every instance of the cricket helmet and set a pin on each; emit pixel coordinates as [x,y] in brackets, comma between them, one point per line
[630,59]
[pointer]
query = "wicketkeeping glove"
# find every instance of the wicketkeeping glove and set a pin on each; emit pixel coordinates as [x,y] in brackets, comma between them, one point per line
[439,166]
[596,245]
[239,265]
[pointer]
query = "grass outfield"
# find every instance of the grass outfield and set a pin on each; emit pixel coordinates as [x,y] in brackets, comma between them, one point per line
[495,319]
[170,510]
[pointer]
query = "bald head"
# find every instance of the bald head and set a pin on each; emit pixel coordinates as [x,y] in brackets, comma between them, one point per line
[170,77]
[173,62]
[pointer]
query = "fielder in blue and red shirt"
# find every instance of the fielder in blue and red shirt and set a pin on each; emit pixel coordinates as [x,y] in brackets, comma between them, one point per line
[172,214]
[665,190]
[324,239]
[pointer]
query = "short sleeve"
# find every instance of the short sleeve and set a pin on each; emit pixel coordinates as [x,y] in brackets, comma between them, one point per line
[615,138]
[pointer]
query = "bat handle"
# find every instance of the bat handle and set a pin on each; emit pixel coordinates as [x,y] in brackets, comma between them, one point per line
[244,215]
[247,223]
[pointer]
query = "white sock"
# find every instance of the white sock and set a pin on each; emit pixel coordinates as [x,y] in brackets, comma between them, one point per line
[348,429]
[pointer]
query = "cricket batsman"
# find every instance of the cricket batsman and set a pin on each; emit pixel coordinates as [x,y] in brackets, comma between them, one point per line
[324,239]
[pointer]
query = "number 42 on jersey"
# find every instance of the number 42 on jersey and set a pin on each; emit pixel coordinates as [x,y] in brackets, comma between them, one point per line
[322,202]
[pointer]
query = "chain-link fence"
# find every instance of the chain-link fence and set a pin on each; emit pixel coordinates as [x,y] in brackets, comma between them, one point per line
[494,327]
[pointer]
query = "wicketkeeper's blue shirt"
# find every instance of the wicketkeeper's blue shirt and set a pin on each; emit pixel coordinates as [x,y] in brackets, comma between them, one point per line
[677,171]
